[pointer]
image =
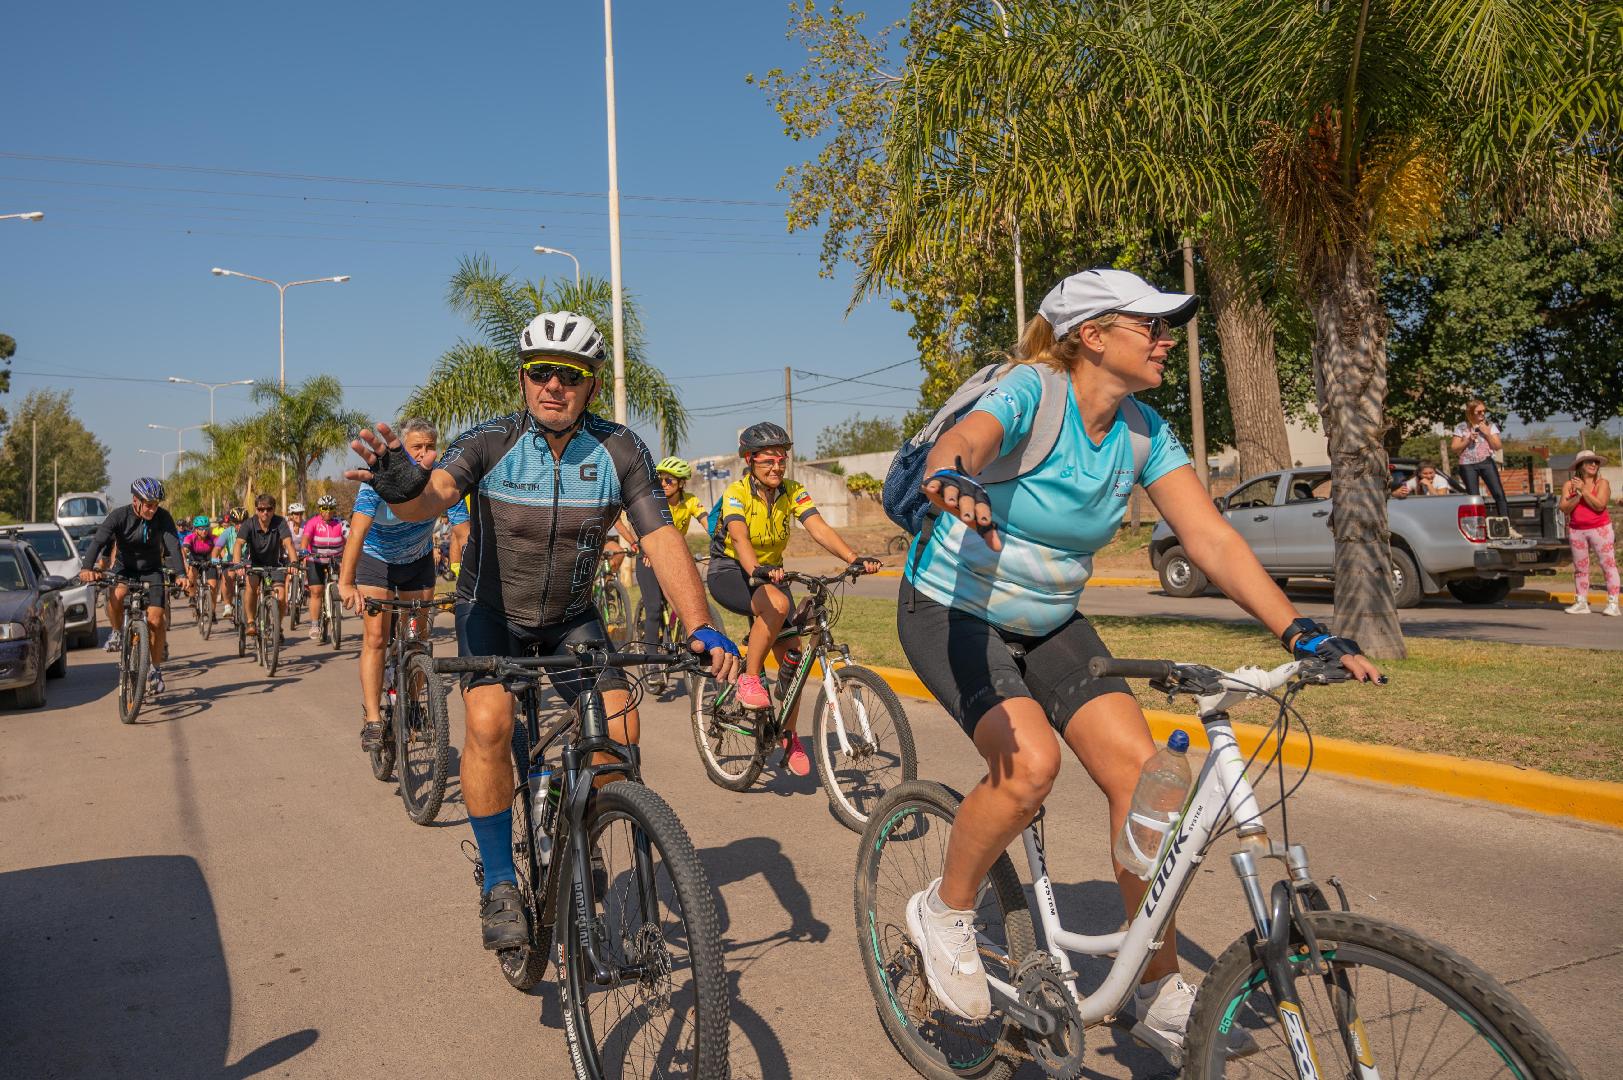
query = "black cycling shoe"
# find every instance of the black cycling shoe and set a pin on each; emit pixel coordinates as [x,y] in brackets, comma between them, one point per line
[372,736]
[501,917]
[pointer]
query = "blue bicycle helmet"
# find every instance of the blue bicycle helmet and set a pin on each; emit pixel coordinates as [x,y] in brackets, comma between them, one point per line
[148,488]
[201,521]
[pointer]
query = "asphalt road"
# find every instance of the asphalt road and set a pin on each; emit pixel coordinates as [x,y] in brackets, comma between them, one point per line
[1513,621]
[223,891]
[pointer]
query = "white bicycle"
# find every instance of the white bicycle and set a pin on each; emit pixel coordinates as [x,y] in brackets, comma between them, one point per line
[1323,992]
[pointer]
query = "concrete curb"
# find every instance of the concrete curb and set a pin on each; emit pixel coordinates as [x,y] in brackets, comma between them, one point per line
[1528,789]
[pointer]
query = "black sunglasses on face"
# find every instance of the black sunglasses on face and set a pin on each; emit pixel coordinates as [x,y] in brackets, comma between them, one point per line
[567,374]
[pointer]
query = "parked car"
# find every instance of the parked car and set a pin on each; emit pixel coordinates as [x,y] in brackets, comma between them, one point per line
[1438,541]
[57,550]
[33,641]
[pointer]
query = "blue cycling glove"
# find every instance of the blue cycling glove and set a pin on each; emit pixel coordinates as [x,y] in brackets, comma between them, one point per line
[711,638]
[1317,643]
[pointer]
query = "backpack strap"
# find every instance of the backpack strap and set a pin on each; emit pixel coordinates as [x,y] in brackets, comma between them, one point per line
[962,399]
[1039,441]
[1138,432]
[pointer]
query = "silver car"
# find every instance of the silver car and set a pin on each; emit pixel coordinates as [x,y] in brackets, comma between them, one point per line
[58,551]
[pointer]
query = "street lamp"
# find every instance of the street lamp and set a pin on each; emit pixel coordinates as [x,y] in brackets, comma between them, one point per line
[163,459]
[179,433]
[281,329]
[32,215]
[541,250]
[616,287]
[211,387]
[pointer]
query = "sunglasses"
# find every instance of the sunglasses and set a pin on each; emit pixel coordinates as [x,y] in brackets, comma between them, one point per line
[669,480]
[567,374]
[263,509]
[1157,328]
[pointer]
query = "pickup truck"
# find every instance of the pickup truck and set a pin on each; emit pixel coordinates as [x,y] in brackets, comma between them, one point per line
[1438,541]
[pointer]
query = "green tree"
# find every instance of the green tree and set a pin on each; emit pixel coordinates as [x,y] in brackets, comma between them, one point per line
[859,435]
[8,349]
[237,463]
[475,380]
[1339,125]
[80,458]
[303,424]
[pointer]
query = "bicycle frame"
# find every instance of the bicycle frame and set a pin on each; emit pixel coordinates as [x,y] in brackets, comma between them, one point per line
[1222,788]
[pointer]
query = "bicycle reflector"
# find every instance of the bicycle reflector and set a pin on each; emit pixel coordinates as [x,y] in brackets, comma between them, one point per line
[1474,523]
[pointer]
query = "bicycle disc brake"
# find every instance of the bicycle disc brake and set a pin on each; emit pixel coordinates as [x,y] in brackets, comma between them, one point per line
[1042,988]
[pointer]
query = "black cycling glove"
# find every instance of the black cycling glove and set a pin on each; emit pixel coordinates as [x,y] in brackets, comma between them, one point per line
[762,574]
[1315,642]
[397,478]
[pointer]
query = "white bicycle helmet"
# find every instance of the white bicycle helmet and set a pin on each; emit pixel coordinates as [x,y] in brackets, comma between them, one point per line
[296,508]
[565,335]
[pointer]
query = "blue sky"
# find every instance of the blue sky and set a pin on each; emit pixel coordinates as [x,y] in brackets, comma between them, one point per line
[114,285]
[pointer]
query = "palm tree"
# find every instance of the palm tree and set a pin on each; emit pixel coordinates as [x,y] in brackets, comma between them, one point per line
[237,463]
[475,380]
[1340,123]
[303,424]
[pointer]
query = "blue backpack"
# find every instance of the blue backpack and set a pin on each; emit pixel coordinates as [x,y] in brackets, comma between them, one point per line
[906,505]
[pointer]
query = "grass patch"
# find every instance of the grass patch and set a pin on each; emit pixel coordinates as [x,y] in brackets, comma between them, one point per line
[1544,708]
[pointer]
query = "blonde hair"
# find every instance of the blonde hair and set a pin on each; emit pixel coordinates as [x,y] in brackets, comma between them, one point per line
[1474,404]
[1039,346]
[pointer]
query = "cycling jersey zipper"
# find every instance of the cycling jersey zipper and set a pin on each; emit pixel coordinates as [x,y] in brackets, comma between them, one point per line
[552,534]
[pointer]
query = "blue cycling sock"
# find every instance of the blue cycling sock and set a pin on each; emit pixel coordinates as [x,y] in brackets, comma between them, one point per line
[494,835]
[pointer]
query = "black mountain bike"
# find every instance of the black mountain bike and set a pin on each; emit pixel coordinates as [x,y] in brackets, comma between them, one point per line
[135,648]
[671,636]
[861,737]
[416,723]
[611,875]
[267,620]
[203,599]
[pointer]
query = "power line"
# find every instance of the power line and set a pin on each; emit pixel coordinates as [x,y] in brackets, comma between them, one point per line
[267,174]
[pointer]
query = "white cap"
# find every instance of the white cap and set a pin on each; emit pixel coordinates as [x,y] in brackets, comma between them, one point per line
[1093,293]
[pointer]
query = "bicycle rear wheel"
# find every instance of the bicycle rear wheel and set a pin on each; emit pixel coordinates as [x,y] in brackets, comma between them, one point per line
[135,657]
[902,851]
[1393,1003]
[658,915]
[729,739]
[879,750]
[423,734]
[525,966]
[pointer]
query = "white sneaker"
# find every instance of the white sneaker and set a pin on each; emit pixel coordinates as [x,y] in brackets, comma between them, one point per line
[1163,1008]
[946,941]
[315,632]
[115,642]
[1579,608]
[1612,608]
[154,680]
[225,612]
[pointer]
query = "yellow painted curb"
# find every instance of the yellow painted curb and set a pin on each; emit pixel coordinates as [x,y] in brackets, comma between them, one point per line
[1528,789]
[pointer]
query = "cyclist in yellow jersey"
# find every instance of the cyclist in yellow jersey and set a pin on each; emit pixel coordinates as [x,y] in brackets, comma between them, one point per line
[671,473]
[746,564]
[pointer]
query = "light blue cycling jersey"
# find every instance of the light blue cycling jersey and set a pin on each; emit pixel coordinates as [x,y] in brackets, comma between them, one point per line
[1051,520]
[394,541]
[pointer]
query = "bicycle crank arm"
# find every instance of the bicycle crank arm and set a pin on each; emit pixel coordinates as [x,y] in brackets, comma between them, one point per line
[1032,1021]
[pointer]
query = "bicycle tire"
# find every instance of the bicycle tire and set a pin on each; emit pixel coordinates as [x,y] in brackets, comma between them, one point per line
[525,966]
[699,1046]
[423,738]
[852,790]
[272,621]
[731,770]
[887,952]
[335,618]
[1513,1043]
[655,674]
[135,658]
[614,607]
[240,621]
[205,609]
[295,600]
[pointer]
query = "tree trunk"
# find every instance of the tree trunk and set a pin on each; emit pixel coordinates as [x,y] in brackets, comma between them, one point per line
[1246,328]
[1349,375]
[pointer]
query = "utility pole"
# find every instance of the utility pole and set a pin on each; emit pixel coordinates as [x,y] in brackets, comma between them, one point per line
[54,495]
[1197,405]
[617,290]
[789,417]
[33,476]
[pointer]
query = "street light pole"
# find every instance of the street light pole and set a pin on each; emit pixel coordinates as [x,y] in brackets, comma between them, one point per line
[211,387]
[32,215]
[163,460]
[614,221]
[543,250]
[179,433]
[281,331]
[1014,214]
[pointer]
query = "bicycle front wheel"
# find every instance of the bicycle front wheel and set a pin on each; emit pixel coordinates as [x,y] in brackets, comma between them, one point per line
[205,609]
[864,744]
[423,732]
[335,616]
[135,658]
[270,633]
[1391,1004]
[655,926]
[902,852]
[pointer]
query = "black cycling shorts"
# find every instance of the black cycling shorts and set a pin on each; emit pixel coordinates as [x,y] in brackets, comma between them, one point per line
[316,572]
[733,588]
[483,632]
[415,576]
[967,663]
[157,589]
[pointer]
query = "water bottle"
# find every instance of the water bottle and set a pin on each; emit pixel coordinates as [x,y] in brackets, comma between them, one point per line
[542,798]
[1157,801]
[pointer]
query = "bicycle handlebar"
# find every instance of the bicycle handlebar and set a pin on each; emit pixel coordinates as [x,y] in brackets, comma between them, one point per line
[376,604]
[815,581]
[586,656]
[1101,667]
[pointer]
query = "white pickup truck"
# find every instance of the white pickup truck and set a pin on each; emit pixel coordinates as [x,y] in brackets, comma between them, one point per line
[1438,541]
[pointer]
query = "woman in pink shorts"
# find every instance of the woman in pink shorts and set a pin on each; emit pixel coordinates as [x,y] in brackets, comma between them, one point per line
[1589,528]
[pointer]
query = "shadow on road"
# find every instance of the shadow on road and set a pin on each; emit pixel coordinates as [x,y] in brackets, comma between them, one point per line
[751,855]
[115,968]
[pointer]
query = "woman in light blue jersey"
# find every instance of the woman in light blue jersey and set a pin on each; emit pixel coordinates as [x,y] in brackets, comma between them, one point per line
[1004,565]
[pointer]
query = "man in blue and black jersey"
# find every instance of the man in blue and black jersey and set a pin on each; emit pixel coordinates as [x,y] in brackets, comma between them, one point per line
[548,482]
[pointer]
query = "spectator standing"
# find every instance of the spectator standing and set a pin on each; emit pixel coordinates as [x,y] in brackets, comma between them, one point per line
[1584,499]
[1474,443]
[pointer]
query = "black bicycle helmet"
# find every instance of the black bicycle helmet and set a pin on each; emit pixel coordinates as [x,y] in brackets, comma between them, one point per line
[762,435]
